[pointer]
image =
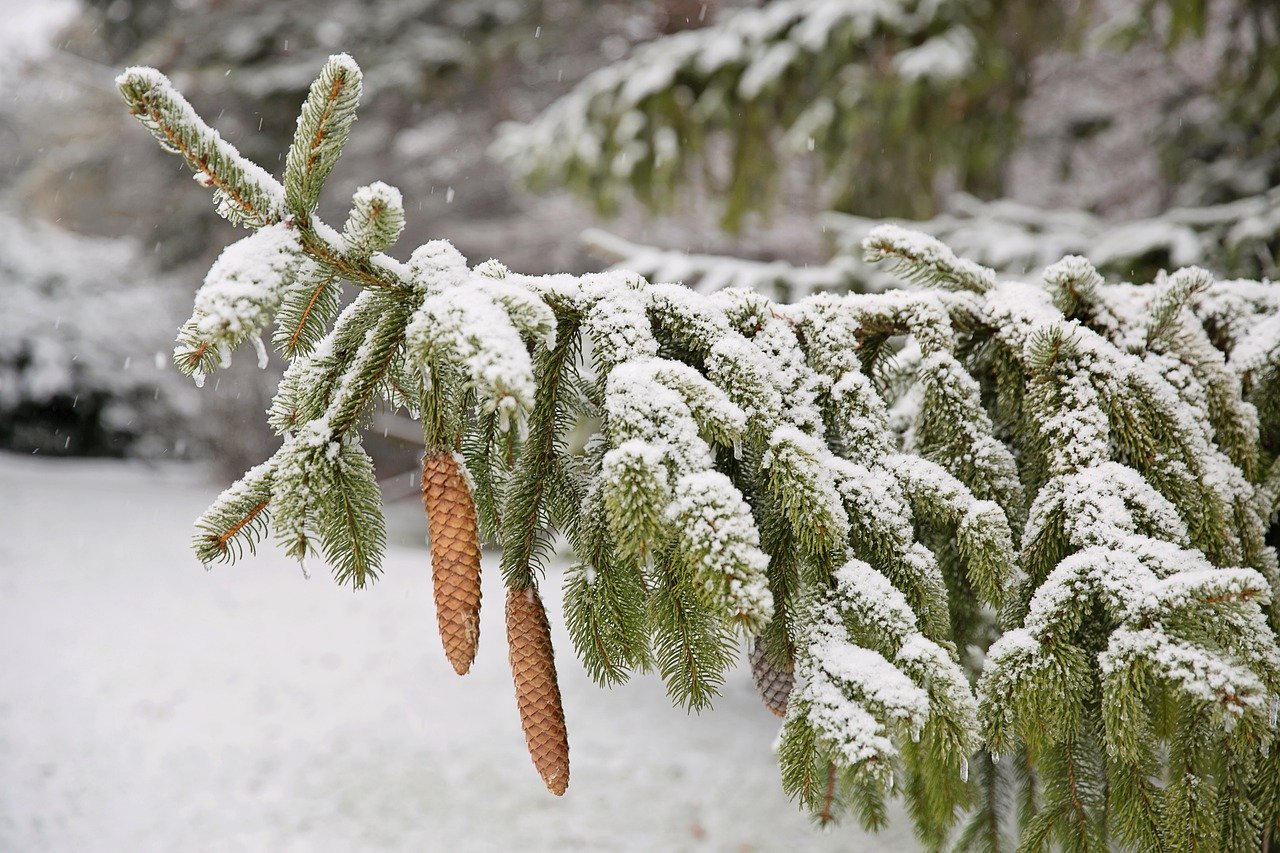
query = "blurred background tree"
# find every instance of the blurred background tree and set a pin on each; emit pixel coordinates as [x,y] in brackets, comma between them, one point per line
[907,102]
[916,109]
[766,137]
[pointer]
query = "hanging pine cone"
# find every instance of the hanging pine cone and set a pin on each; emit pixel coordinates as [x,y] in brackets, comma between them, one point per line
[455,556]
[533,667]
[773,682]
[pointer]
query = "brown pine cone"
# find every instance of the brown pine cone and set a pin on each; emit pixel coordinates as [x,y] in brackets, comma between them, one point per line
[533,667]
[773,682]
[455,556]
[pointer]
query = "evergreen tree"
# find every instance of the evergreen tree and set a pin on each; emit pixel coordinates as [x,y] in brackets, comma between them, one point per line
[892,108]
[1014,528]
[929,91]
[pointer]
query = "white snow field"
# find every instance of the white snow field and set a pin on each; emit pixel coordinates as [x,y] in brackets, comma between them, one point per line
[148,705]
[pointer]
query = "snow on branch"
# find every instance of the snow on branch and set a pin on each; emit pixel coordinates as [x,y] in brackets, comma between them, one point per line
[925,260]
[240,296]
[245,193]
[1054,490]
[617,131]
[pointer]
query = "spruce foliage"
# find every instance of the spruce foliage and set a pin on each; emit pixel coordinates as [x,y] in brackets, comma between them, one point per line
[1013,539]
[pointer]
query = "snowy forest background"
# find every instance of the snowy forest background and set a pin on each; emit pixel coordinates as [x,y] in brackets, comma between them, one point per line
[128,732]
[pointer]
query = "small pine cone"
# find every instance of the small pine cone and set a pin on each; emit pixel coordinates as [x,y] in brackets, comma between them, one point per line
[533,667]
[455,556]
[773,682]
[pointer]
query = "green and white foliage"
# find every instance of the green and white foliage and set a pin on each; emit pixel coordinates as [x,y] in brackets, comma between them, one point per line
[931,92]
[240,296]
[1239,238]
[979,518]
[827,73]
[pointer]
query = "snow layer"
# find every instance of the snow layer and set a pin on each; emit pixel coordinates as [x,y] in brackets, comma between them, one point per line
[148,705]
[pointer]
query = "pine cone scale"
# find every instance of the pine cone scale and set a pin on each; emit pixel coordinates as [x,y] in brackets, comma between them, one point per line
[772,682]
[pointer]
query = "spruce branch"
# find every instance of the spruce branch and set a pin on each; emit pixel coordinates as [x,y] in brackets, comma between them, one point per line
[307,309]
[1073,283]
[805,490]
[375,222]
[246,194]
[463,328]
[695,104]
[309,381]
[605,603]
[693,648]
[240,296]
[718,545]
[323,127]
[349,518]
[634,492]
[981,531]
[1167,307]
[925,260]
[356,387]
[237,519]
[524,511]
[1063,492]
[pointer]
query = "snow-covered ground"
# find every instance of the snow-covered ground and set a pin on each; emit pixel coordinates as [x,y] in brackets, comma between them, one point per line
[26,28]
[148,705]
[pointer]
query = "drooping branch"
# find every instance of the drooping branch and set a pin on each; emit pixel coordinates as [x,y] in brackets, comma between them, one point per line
[882,489]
